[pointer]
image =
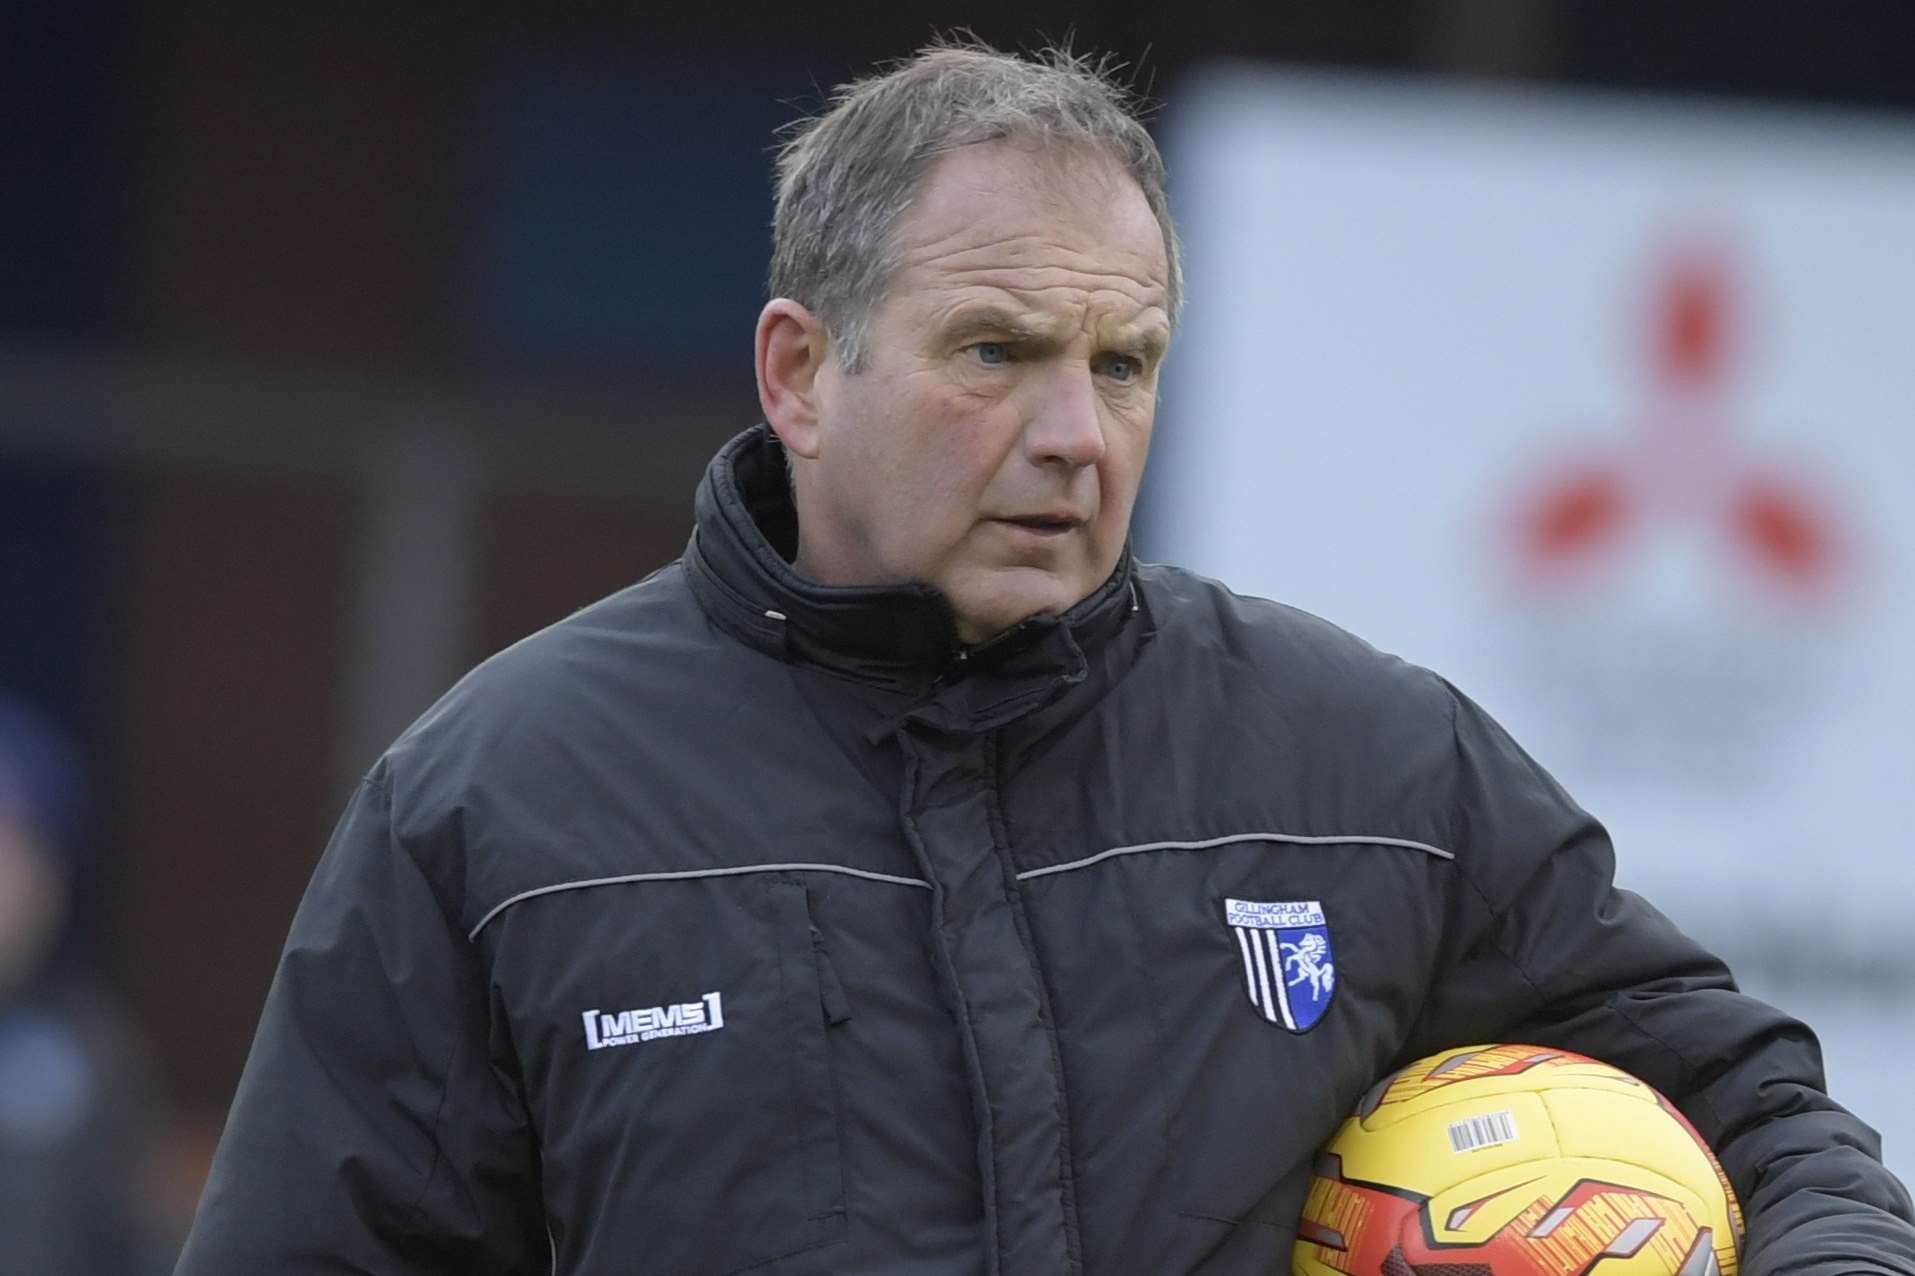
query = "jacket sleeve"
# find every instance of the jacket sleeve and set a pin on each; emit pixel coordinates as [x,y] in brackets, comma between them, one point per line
[1542,947]
[371,1132]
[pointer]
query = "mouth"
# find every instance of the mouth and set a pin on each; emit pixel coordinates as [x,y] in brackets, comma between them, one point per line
[1046,525]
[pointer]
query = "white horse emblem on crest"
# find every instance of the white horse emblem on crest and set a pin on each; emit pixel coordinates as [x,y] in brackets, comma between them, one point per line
[1310,957]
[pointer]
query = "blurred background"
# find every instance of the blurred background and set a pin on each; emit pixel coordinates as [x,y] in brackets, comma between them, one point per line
[1563,346]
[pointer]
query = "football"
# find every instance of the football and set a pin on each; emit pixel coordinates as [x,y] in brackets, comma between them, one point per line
[1513,1160]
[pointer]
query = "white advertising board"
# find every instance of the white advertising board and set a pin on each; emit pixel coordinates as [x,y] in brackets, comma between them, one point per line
[1604,408]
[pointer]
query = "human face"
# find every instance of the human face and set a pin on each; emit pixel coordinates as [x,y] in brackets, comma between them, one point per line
[993,442]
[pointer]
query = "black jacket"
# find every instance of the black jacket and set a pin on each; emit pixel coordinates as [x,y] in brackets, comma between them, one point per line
[739,924]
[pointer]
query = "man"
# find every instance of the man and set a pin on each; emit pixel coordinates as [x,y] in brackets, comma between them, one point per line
[855,894]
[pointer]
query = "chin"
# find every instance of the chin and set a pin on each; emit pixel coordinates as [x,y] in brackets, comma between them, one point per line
[990,608]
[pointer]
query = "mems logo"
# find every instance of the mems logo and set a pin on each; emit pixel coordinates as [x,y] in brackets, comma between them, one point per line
[605,1028]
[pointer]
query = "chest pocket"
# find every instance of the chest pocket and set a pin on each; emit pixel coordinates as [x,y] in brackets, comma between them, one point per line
[681,1076]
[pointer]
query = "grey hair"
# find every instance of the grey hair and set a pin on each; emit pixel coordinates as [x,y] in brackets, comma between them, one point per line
[846,177]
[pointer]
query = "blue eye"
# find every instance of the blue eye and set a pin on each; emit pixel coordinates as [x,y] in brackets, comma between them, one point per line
[993,353]
[1121,368]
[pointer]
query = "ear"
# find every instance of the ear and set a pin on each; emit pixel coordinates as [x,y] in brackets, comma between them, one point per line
[791,350]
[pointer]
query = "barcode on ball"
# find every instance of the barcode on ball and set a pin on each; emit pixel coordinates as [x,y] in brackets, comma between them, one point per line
[1484,1131]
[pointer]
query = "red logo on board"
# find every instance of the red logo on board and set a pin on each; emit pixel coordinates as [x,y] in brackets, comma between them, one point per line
[1684,460]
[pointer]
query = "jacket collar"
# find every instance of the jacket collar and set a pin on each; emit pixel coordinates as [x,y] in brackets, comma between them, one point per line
[899,636]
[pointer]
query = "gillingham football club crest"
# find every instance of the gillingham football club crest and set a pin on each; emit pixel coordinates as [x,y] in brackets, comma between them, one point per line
[1287,967]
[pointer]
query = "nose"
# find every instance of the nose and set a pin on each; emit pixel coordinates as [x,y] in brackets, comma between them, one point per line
[1066,425]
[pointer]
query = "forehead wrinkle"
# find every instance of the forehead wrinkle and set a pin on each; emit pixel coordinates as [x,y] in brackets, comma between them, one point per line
[1046,305]
[1062,266]
[1057,307]
[1034,252]
[1002,213]
[1039,289]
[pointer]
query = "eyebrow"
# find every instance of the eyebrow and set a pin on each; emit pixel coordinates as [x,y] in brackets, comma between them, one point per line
[1145,340]
[1149,341]
[985,320]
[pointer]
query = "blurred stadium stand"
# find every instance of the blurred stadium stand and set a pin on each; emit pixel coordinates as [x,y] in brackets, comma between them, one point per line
[342,345]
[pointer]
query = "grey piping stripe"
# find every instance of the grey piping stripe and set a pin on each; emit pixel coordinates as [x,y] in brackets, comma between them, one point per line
[1293,838]
[690,873]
